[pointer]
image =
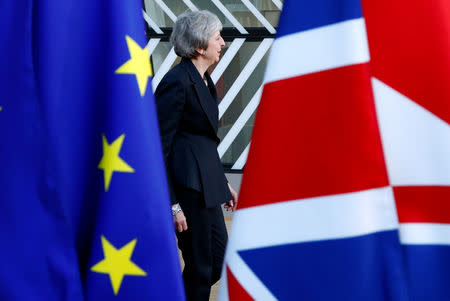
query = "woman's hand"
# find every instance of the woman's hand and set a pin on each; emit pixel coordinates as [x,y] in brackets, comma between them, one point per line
[232,204]
[180,221]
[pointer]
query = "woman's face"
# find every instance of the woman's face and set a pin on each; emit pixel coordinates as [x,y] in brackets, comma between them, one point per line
[214,48]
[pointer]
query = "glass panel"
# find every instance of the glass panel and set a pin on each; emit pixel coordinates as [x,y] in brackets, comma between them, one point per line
[155,12]
[236,7]
[241,100]
[159,54]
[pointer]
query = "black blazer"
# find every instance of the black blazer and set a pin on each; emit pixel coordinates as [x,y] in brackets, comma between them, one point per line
[188,121]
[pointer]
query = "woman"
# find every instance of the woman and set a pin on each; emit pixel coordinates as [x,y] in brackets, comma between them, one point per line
[186,100]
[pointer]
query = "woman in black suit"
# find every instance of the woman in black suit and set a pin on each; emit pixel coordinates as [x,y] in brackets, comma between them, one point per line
[186,100]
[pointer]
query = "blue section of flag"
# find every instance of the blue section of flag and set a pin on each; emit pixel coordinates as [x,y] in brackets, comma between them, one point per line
[298,16]
[59,94]
[428,272]
[361,268]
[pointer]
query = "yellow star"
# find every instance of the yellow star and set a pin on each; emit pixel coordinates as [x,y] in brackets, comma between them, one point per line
[111,161]
[117,263]
[138,64]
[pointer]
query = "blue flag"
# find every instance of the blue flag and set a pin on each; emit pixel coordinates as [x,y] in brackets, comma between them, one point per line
[84,205]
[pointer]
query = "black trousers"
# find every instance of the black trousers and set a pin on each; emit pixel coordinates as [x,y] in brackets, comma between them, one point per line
[202,245]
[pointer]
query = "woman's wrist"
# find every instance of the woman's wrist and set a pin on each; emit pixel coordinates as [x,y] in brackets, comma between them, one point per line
[176,208]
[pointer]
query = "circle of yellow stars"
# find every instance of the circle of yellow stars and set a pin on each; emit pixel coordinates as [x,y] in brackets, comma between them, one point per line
[138,64]
[117,262]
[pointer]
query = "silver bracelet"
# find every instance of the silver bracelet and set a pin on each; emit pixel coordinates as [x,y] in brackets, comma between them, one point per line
[175,209]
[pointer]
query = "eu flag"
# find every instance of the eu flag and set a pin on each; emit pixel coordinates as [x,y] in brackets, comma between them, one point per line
[84,206]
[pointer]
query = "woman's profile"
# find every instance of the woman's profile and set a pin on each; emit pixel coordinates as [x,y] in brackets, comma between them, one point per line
[187,107]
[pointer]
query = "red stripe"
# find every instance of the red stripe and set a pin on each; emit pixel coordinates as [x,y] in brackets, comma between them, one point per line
[409,45]
[235,289]
[314,135]
[423,204]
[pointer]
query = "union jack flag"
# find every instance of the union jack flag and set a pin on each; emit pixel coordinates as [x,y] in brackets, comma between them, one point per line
[353,131]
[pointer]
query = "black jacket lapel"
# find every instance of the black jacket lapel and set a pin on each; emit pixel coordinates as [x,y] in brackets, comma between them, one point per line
[211,86]
[207,98]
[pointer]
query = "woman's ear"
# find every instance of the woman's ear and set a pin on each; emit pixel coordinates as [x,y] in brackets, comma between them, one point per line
[200,51]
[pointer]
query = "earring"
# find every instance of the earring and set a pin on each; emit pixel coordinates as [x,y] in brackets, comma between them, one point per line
[203,52]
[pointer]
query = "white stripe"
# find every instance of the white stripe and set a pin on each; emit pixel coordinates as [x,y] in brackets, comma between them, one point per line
[151,45]
[190,5]
[226,59]
[240,122]
[319,49]
[229,16]
[332,217]
[167,10]
[245,74]
[320,218]
[259,16]
[223,285]
[424,234]
[240,162]
[416,143]
[151,23]
[278,4]
[245,276]
[165,66]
